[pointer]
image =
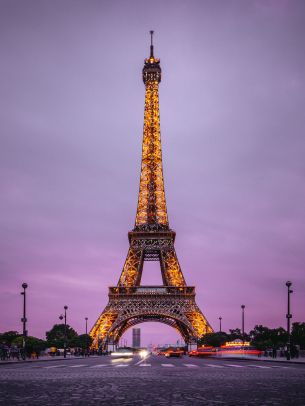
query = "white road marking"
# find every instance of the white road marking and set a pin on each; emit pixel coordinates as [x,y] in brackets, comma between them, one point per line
[190,365]
[145,365]
[258,366]
[141,360]
[167,365]
[77,366]
[55,366]
[235,366]
[215,366]
[99,365]
[280,366]
[121,365]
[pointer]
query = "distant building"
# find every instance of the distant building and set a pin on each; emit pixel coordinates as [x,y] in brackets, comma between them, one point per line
[136,337]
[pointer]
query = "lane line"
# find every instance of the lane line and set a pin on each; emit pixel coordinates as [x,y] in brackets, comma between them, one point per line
[99,365]
[55,366]
[121,365]
[145,365]
[167,365]
[77,366]
[280,366]
[259,366]
[191,365]
[215,366]
[235,366]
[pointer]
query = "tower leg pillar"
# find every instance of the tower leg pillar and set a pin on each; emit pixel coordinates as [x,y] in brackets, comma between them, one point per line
[111,345]
[192,345]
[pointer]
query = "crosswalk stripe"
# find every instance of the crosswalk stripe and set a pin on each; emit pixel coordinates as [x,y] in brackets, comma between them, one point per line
[55,366]
[167,365]
[259,366]
[77,366]
[99,365]
[279,366]
[215,366]
[235,366]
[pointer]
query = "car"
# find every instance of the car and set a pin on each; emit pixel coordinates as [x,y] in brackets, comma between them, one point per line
[203,352]
[192,353]
[161,351]
[173,353]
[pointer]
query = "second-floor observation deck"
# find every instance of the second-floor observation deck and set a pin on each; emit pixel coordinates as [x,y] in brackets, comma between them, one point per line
[119,291]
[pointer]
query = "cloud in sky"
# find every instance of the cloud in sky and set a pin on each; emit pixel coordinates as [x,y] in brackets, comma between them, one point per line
[232,125]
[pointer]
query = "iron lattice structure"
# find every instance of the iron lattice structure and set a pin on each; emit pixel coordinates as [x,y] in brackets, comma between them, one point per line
[173,303]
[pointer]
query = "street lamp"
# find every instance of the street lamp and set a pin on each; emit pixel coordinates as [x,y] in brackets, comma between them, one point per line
[87,353]
[243,321]
[288,317]
[61,317]
[220,318]
[24,319]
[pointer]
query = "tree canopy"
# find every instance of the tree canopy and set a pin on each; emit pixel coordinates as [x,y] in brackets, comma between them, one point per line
[33,344]
[56,336]
[81,341]
[298,334]
[236,334]
[263,337]
[8,337]
[214,339]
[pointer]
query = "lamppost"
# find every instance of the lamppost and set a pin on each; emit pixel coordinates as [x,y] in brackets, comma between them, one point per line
[87,353]
[65,331]
[24,319]
[243,322]
[288,317]
[220,318]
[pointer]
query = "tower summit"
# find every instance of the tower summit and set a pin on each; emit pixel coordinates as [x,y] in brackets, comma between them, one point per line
[130,303]
[151,203]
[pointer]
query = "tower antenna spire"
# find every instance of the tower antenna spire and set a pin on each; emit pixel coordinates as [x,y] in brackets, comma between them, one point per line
[151,44]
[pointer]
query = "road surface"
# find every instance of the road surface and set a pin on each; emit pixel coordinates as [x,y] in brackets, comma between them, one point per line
[155,381]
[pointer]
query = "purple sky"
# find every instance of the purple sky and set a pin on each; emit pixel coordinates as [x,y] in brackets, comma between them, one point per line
[232,123]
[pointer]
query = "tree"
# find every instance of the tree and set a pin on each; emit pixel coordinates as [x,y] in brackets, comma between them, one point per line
[33,344]
[56,336]
[236,334]
[263,337]
[298,334]
[82,341]
[8,337]
[214,339]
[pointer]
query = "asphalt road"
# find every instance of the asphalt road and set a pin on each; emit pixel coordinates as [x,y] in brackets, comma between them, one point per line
[156,381]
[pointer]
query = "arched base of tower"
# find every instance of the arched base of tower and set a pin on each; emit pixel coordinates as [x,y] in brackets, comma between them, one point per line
[170,305]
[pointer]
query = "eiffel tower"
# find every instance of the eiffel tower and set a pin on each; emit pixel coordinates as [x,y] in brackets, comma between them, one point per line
[152,239]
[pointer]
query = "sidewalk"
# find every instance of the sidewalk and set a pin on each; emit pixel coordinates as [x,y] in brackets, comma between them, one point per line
[45,358]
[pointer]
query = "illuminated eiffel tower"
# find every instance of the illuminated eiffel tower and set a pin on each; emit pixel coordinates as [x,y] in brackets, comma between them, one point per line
[130,303]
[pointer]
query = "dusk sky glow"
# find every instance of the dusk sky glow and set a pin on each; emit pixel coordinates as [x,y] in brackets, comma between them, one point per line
[232,102]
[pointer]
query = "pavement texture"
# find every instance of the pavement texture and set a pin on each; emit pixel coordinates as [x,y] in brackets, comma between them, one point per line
[155,381]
